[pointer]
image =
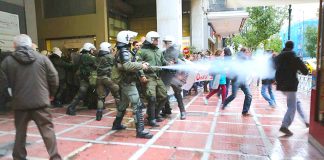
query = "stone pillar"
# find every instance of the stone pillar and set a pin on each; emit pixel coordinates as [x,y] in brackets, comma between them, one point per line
[169,19]
[31,24]
[199,24]
[102,26]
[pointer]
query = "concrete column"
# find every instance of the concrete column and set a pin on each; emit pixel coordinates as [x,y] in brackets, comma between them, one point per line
[199,24]
[102,30]
[31,22]
[169,19]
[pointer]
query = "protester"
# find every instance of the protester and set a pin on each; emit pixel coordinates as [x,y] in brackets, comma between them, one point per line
[34,81]
[287,66]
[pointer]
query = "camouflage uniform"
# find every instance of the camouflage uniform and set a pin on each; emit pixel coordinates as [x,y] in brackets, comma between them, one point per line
[155,90]
[129,93]
[87,65]
[105,62]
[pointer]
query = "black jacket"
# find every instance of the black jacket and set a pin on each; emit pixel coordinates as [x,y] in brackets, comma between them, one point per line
[287,65]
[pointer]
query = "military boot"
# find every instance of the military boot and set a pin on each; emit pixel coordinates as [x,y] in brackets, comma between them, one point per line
[151,112]
[117,125]
[140,132]
[71,110]
[99,115]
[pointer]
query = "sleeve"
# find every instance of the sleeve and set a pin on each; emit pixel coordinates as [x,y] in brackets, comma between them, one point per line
[140,59]
[52,77]
[301,66]
[132,66]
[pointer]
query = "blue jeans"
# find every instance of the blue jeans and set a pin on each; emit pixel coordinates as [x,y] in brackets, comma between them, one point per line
[271,100]
[293,104]
[248,96]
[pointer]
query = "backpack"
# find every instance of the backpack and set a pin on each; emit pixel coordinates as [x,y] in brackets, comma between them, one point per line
[116,75]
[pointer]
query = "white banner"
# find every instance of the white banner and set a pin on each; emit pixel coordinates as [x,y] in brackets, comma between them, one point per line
[9,27]
[196,76]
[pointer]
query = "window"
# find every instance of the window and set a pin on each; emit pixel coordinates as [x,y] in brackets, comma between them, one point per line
[61,8]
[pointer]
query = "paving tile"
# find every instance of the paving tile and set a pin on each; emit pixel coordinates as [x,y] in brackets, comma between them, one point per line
[288,148]
[72,119]
[200,108]
[162,154]
[243,145]
[7,126]
[239,129]
[217,156]
[235,119]
[106,152]
[125,136]
[64,147]
[105,122]
[203,127]
[182,140]
[88,133]
[194,116]
[57,128]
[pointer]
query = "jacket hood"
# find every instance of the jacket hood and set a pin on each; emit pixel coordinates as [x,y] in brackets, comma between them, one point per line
[24,55]
[148,45]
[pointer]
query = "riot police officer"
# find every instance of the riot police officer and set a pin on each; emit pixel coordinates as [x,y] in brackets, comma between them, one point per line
[124,73]
[87,65]
[105,62]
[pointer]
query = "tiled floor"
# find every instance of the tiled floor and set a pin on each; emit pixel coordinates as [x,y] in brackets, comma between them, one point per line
[207,133]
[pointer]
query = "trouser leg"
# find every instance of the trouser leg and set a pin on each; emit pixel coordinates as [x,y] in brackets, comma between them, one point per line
[43,120]
[21,123]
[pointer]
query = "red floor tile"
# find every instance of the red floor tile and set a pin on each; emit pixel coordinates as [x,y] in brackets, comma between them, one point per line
[201,108]
[163,154]
[125,136]
[72,119]
[298,149]
[203,127]
[106,152]
[89,133]
[105,122]
[64,148]
[239,129]
[7,126]
[235,119]
[216,156]
[57,128]
[182,140]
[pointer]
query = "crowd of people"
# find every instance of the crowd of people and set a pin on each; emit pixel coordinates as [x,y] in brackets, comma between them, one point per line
[133,75]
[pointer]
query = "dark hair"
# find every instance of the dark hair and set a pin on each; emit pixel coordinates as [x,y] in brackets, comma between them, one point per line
[243,49]
[289,45]
[134,43]
[227,52]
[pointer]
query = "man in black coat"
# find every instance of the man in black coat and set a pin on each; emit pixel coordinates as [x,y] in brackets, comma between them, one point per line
[287,66]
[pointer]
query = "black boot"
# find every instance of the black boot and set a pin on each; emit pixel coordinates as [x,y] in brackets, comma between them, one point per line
[71,110]
[151,111]
[117,125]
[140,133]
[99,114]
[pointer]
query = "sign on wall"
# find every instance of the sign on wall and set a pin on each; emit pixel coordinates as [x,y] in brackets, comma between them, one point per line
[9,27]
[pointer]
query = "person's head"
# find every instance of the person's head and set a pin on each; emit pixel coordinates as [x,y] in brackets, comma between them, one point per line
[153,38]
[227,52]
[168,41]
[246,51]
[105,46]
[289,45]
[57,51]
[125,38]
[45,52]
[219,53]
[136,45]
[22,40]
[89,47]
